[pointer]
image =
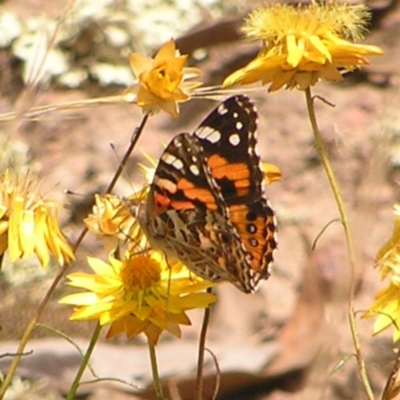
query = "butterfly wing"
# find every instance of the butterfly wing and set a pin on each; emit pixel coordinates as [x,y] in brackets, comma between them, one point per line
[206,205]
[186,216]
[229,139]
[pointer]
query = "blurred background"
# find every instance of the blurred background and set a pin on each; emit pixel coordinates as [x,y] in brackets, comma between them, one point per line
[291,340]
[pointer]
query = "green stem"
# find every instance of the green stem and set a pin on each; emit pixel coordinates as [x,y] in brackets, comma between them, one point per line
[202,346]
[154,370]
[350,246]
[84,363]
[31,326]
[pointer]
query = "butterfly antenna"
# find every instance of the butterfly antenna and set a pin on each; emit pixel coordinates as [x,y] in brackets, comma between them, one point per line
[119,160]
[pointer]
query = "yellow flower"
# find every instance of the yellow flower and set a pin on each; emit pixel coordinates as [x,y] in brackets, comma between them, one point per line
[272,173]
[161,81]
[28,222]
[303,44]
[386,307]
[142,293]
[388,256]
[106,218]
[386,310]
[111,221]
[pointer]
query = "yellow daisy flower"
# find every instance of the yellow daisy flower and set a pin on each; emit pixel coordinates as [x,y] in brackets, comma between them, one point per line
[28,222]
[142,293]
[161,81]
[304,44]
[386,307]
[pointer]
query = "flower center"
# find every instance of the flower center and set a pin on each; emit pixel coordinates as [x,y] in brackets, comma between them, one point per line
[162,80]
[140,272]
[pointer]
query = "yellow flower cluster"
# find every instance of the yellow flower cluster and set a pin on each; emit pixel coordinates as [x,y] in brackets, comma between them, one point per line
[140,293]
[28,222]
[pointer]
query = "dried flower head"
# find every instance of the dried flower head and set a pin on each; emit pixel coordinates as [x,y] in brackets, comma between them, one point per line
[28,222]
[110,221]
[161,81]
[304,44]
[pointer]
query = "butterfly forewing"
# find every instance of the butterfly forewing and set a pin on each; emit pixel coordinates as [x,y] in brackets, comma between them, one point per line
[229,138]
[186,216]
[182,180]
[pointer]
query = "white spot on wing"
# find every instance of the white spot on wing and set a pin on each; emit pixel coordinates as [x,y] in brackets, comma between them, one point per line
[177,142]
[211,135]
[254,151]
[178,164]
[252,228]
[234,139]
[222,110]
[172,160]
[239,125]
[214,137]
[168,158]
[194,169]
[254,242]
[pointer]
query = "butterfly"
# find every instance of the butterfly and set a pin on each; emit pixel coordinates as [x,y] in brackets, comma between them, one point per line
[206,205]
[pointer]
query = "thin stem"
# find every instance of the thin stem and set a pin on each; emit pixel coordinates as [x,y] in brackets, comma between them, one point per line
[134,139]
[84,363]
[349,240]
[35,112]
[202,346]
[31,326]
[154,370]
[28,331]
